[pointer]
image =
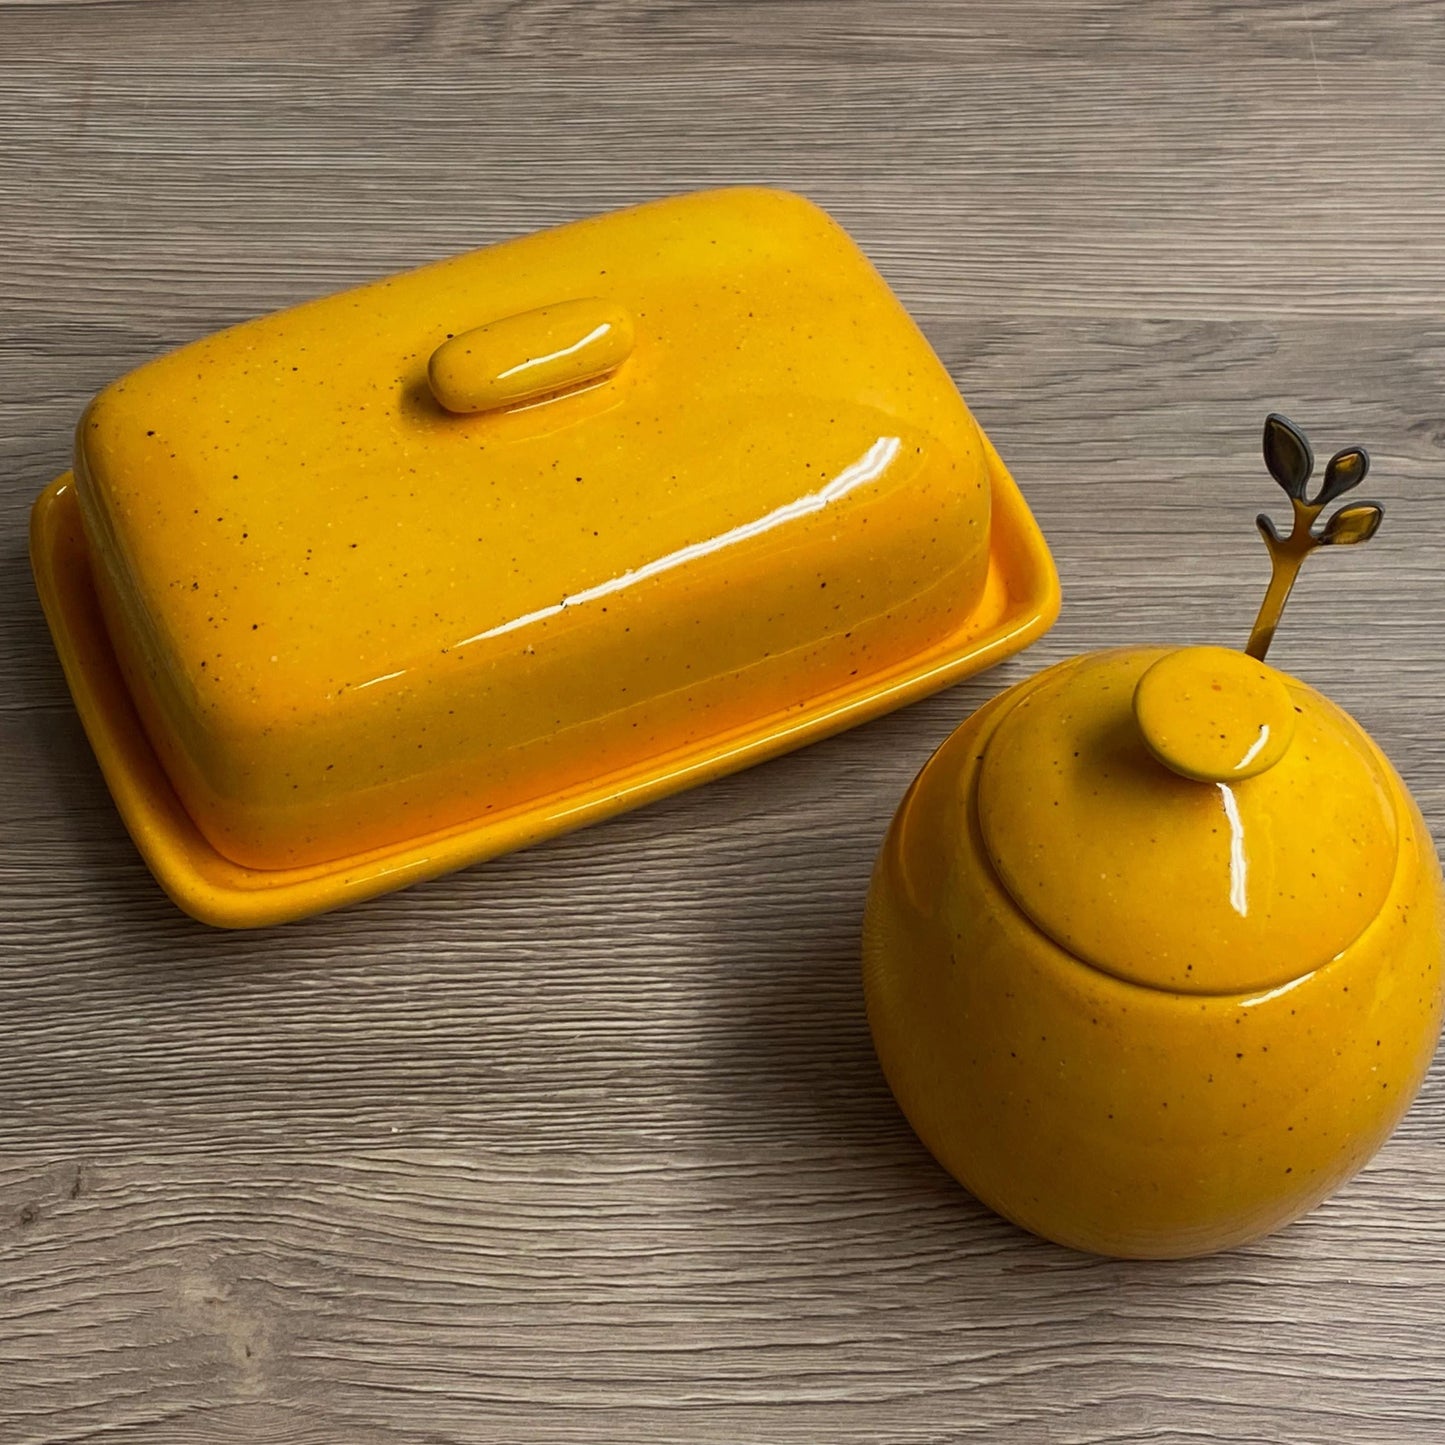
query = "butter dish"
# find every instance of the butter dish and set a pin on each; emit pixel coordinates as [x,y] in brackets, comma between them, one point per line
[409,576]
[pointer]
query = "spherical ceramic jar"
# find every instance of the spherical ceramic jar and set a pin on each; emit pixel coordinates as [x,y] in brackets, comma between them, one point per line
[1153,951]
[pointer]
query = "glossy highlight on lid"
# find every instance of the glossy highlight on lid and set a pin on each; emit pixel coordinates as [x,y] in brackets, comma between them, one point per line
[868,468]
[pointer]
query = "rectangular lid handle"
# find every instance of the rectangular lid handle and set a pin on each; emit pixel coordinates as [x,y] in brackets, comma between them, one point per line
[534,354]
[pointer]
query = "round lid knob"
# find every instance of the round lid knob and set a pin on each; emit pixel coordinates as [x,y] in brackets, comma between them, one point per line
[1122,805]
[1214,715]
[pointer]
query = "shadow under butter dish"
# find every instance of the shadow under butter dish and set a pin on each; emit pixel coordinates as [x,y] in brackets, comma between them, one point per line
[1155,1005]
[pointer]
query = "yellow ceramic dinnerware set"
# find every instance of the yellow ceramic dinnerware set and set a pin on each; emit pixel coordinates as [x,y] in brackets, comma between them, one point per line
[412,575]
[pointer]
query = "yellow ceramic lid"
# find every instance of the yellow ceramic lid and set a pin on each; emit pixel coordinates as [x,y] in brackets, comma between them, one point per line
[422,553]
[1189,820]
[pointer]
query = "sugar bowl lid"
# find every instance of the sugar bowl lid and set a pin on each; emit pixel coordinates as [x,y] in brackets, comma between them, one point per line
[1191,819]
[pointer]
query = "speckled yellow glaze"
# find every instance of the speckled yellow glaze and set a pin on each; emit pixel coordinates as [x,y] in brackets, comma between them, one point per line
[1143,1014]
[699,491]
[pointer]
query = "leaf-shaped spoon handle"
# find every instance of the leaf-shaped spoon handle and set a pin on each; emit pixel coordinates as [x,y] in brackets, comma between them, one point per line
[1290,461]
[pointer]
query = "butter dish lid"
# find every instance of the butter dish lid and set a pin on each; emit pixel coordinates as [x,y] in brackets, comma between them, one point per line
[401,557]
[1190,820]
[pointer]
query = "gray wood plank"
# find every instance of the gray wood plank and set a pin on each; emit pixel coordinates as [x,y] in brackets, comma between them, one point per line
[588,1143]
[790,1294]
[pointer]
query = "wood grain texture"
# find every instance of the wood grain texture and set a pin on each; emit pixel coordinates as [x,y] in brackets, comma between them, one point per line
[588,1144]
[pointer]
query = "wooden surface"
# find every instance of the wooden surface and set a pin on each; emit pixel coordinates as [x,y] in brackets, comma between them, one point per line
[588,1144]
